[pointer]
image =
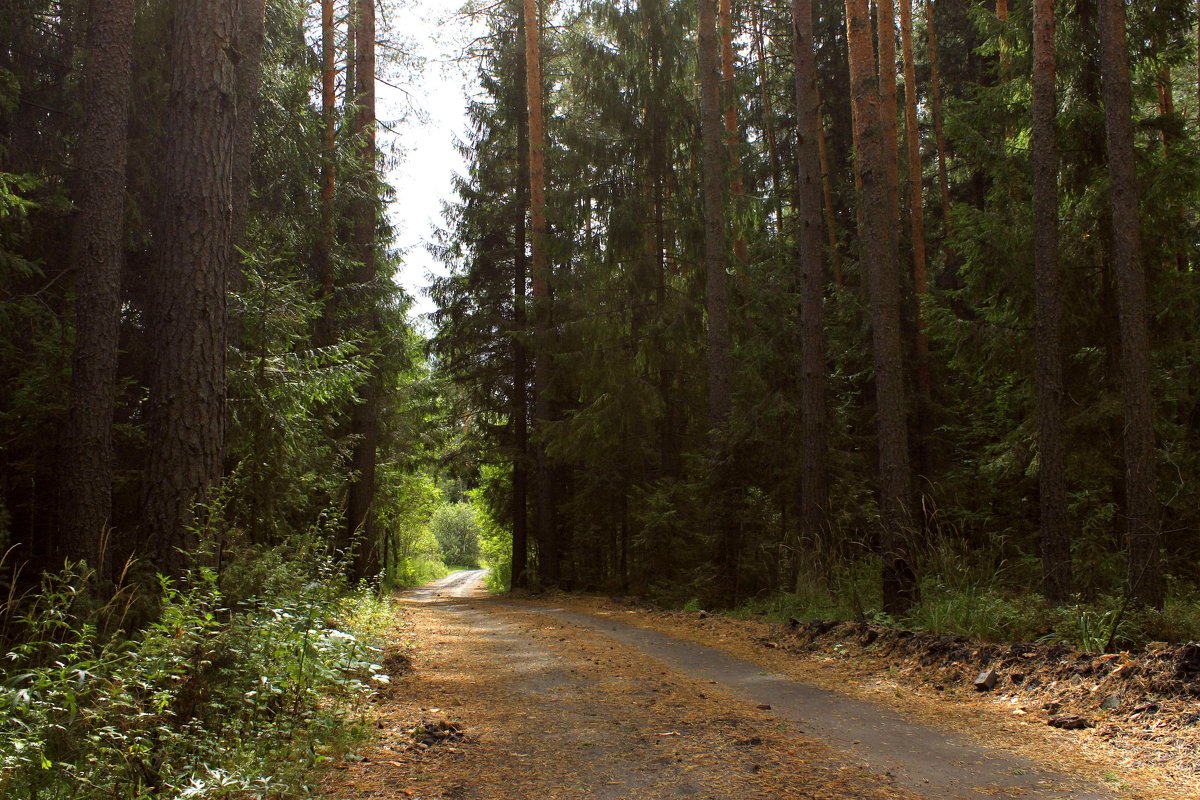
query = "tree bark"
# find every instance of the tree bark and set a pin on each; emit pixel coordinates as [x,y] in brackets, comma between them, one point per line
[1145,581]
[917,223]
[520,397]
[831,237]
[888,105]
[737,189]
[880,254]
[716,297]
[188,314]
[814,473]
[549,557]
[96,256]
[1056,537]
[935,109]
[364,417]
[716,290]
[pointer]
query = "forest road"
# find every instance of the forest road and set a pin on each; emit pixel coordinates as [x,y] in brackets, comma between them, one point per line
[556,703]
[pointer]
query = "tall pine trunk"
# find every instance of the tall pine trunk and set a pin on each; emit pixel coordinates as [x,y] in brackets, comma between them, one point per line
[935,110]
[737,189]
[520,396]
[888,105]
[814,477]
[96,256]
[1056,537]
[188,307]
[917,226]
[364,417]
[546,531]
[1145,580]
[713,169]
[716,294]
[879,252]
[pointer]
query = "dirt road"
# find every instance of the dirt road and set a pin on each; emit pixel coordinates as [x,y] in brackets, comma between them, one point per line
[561,704]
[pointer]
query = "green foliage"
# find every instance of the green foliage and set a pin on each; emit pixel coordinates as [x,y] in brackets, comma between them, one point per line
[495,541]
[213,699]
[457,528]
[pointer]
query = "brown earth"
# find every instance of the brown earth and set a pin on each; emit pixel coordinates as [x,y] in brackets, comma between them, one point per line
[587,698]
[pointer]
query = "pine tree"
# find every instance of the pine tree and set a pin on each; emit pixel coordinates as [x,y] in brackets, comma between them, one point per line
[814,480]
[188,315]
[1056,542]
[1145,581]
[97,249]
[879,253]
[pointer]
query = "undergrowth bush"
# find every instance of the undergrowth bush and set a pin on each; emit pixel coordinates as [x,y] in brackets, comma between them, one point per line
[213,699]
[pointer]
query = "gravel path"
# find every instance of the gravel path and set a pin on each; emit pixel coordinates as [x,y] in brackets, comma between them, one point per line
[563,704]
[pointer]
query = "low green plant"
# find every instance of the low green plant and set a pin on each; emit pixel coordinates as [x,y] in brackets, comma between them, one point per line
[213,699]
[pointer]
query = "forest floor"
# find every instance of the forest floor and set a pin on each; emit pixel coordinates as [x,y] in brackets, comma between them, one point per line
[582,697]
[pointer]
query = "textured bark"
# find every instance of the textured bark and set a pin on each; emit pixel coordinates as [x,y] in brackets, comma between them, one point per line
[1145,580]
[188,310]
[814,471]
[831,237]
[716,288]
[364,418]
[879,248]
[1056,537]
[917,223]
[546,530]
[716,298]
[888,105]
[96,257]
[737,189]
[935,109]
[520,396]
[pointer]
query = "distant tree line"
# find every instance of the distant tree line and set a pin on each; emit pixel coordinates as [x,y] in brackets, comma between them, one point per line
[746,296]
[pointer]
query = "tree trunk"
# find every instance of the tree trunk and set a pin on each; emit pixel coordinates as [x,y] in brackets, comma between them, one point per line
[880,254]
[917,220]
[187,382]
[546,532]
[364,417]
[935,109]
[96,256]
[814,475]
[831,237]
[1056,537]
[716,295]
[737,189]
[716,291]
[1145,580]
[520,397]
[888,106]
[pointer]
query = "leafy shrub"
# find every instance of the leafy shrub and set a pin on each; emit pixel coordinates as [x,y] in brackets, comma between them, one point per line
[213,699]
